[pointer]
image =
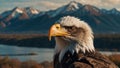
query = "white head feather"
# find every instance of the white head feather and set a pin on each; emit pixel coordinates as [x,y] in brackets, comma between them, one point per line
[84,45]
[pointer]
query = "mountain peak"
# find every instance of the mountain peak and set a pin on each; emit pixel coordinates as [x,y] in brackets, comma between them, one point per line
[114,9]
[92,9]
[98,19]
[73,5]
[31,10]
[70,7]
[17,9]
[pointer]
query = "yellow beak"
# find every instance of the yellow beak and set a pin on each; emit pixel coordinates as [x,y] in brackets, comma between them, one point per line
[57,30]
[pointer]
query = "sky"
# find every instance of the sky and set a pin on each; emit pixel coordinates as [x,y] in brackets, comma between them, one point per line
[45,5]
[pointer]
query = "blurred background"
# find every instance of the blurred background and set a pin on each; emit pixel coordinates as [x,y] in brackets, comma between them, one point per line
[24,26]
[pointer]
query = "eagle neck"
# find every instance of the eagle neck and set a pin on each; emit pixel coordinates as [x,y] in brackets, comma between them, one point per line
[63,46]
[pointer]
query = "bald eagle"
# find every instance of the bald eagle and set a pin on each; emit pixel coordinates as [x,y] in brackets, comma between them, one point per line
[74,45]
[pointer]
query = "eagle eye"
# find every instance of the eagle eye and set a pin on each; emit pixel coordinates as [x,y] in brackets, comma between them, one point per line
[71,29]
[57,27]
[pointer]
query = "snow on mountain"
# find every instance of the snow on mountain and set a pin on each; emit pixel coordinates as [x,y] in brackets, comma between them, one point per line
[16,12]
[13,13]
[71,7]
[101,20]
[34,11]
[74,7]
[20,13]
[30,10]
[19,10]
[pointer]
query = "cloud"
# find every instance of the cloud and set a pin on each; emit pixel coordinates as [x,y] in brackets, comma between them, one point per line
[44,5]
[109,4]
[115,2]
[51,5]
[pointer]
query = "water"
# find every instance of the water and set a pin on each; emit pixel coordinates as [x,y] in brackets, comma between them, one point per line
[43,54]
[109,52]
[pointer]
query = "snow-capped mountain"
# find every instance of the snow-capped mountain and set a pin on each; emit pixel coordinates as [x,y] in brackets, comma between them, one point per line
[73,7]
[18,12]
[31,11]
[13,13]
[30,19]
[69,8]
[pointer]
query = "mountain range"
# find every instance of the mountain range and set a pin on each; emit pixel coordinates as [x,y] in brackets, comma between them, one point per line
[28,19]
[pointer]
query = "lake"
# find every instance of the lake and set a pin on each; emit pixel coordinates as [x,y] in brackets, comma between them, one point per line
[43,54]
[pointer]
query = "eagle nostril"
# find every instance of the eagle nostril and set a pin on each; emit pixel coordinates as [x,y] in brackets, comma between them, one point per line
[57,27]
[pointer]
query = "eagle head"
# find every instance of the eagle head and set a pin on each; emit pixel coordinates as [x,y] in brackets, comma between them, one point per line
[71,34]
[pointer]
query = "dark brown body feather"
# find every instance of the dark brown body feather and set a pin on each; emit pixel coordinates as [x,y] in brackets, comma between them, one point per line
[88,60]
